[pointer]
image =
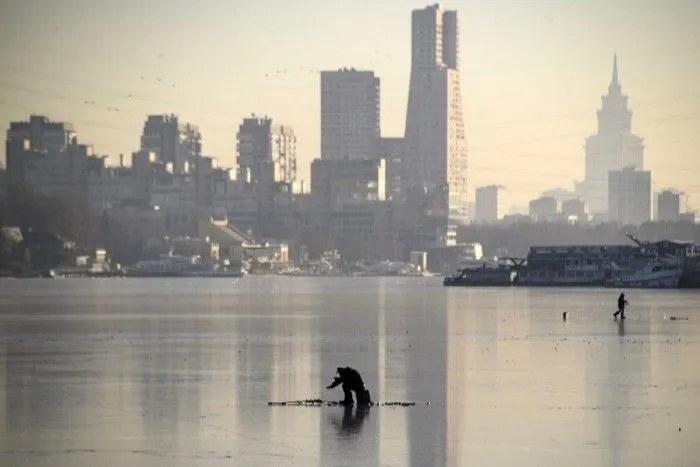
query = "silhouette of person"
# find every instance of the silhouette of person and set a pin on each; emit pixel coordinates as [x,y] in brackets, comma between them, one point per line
[621,302]
[351,381]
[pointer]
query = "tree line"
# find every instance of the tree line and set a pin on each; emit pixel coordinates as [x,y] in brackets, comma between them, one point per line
[69,218]
[74,219]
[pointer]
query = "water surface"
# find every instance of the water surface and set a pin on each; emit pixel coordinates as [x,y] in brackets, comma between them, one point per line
[177,372]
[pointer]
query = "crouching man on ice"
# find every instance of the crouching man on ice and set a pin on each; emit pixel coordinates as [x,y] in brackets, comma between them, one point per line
[351,381]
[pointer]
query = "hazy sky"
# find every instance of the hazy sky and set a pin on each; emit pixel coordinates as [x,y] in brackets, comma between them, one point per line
[532,74]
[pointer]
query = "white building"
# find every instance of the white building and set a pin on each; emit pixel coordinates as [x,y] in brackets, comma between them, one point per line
[613,147]
[435,155]
[629,196]
[489,204]
[349,114]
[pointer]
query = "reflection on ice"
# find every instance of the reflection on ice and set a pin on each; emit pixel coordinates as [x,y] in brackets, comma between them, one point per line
[352,420]
[169,373]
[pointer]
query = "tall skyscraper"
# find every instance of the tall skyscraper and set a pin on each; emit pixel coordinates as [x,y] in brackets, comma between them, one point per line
[349,114]
[435,154]
[613,147]
[179,144]
[266,152]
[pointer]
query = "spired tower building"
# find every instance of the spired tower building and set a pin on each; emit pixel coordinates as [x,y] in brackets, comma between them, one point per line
[434,153]
[614,147]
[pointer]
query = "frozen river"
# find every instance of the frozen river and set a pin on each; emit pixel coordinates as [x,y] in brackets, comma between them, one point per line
[178,372]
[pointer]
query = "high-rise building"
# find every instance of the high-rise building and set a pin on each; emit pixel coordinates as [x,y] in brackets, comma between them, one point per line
[349,114]
[435,155]
[46,156]
[629,196]
[41,134]
[174,143]
[669,206]
[613,147]
[489,204]
[266,152]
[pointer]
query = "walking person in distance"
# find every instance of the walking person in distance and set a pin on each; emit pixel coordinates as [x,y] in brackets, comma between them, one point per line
[621,303]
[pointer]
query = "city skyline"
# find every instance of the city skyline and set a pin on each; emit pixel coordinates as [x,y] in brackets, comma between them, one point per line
[528,100]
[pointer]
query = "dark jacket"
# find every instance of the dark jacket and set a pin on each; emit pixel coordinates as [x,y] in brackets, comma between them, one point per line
[621,302]
[350,377]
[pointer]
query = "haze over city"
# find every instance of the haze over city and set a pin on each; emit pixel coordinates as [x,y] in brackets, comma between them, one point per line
[532,74]
[470,220]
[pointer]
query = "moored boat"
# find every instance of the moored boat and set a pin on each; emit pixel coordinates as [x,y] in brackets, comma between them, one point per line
[652,276]
[484,276]
[573,266]
[662,264]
